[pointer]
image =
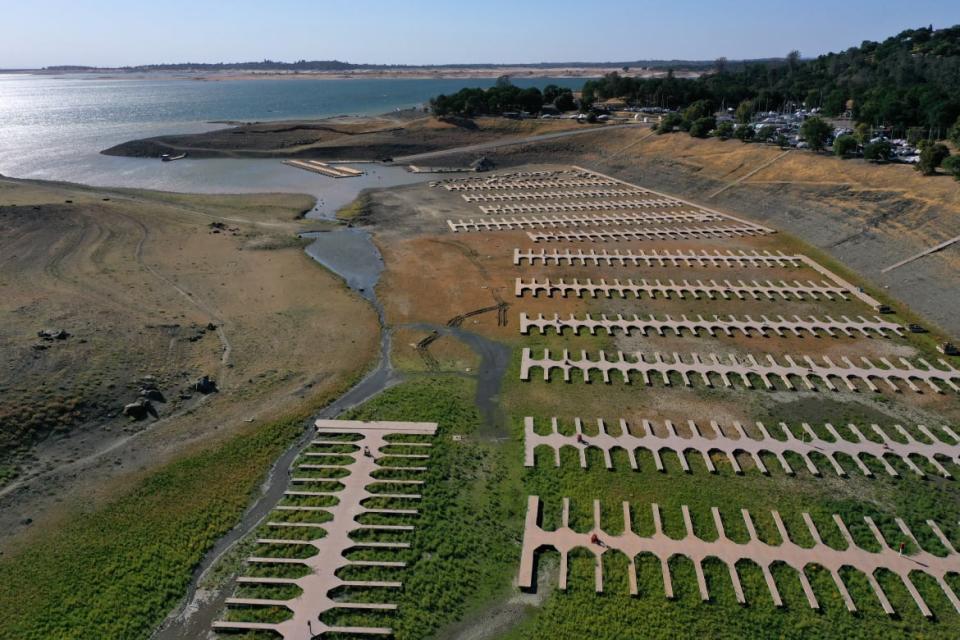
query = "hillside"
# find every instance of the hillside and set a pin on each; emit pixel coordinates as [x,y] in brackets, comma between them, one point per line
[909,80]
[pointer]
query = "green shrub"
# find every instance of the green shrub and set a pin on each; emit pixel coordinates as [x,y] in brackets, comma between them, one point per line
[745,133]
[702,127]
[815,132]
[669,123]
[952,165]
[878,151]
[724,130]
[844,146]
[931,157]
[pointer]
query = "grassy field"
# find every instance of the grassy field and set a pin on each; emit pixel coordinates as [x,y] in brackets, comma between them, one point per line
[464,547]
[468,271]
[117,571]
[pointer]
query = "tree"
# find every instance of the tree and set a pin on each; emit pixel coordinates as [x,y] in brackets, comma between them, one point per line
[565,102]
[954,134]
[724,130]
[551,92]
[952,165]
[440,105]
[720,65]
[915,135]
[701,127]
[744,112]
[815,131]
[745,133]
[793,60]
[697,110]
[669,123]
[530,100]
[878,151]
[844,146]
[766,132]
[587,98]
[862,133]
[932,157]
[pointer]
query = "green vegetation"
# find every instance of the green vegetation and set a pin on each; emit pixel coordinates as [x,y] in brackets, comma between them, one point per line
[725,130]
[559,97]
[579,612]
[360,207]
[745,111]
[670,123]
[815,131]
[931,157]
[500,98]
[464,548]
[905,81]
[116,572]
[878,151]
[952,166]
[697,110]
[701,127]
[745,133]
[845,145]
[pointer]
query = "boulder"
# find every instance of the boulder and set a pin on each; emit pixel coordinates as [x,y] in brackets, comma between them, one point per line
[153,394]
[53,334]
[205,385]
[482,164]
[140,409]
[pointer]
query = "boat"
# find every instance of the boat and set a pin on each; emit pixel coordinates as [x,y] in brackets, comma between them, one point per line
[169,158]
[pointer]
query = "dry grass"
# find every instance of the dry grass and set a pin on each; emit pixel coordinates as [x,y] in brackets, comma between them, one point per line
[135,278]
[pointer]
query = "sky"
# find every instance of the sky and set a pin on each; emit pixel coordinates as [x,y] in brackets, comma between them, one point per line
[41,33]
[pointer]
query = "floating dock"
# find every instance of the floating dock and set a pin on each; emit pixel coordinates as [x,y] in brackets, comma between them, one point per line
[325,168]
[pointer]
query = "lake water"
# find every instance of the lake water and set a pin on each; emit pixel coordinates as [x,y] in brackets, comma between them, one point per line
[53,127]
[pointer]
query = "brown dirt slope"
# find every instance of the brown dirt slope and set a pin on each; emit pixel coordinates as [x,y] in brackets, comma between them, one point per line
[866,216]
[162,285]
[339,138]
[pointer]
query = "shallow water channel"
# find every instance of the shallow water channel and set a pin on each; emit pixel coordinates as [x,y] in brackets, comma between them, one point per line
[351,254]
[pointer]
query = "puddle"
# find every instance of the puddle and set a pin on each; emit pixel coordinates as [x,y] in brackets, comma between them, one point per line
[351,254]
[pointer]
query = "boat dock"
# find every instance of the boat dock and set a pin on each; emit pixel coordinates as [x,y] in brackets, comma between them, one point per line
[325,168]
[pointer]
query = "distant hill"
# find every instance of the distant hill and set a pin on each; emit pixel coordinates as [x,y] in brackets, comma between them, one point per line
[337,65]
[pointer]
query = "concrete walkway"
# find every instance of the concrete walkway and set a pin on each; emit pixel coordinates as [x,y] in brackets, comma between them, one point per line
[696,326]
[367,458]
[598,542]
[732,367]
[804,447]
[939,247]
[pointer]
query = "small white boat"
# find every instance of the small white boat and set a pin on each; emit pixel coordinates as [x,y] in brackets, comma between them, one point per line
[169,158]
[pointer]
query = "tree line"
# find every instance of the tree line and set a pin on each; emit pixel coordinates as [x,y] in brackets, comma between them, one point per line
[503,97]
[909,80]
